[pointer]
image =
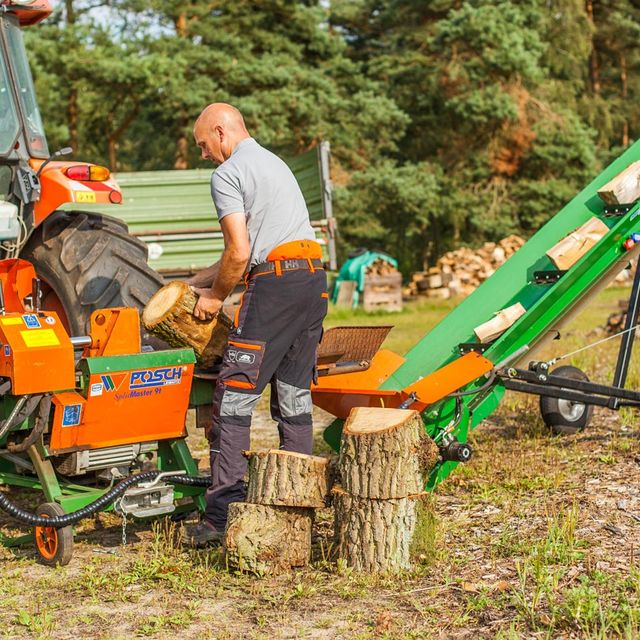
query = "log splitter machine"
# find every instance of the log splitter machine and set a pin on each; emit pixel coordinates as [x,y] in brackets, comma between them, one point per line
[78,415]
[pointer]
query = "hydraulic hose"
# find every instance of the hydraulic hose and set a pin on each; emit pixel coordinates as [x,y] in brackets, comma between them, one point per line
[26,517]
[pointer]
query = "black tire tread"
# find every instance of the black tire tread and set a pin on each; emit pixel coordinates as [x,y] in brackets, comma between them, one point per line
[91,262]
[549,406]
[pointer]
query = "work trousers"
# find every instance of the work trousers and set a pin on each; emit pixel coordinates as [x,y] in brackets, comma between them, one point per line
[274,340]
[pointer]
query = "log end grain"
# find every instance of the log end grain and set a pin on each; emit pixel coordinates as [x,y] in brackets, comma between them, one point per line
[162,303]
[367,420]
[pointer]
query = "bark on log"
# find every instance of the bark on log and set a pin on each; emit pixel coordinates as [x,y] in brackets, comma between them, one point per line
[286,478]
[267,539]
[374,535]
[169,315]
[385,453]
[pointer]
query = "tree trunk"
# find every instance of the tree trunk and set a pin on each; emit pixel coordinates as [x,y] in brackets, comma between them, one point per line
[181,160]
[267,539]
[594,65]
[72,118]
[374,535]
[169,315]
[385,453]
[286,478]
[625,93]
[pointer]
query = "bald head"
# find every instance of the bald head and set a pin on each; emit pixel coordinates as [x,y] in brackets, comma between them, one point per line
[217,131]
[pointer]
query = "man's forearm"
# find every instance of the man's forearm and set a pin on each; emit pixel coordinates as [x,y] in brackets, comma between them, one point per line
[205,278]
[230,271]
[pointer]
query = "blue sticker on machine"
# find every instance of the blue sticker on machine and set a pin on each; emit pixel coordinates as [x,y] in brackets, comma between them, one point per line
[71,415]
[7,350]
[32,321]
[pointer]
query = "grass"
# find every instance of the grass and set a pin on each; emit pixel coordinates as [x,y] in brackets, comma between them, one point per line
[534,538]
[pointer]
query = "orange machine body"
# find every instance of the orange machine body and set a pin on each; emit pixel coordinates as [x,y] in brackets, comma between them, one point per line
[36,353]
[125,396]
[124,404]
[340,393]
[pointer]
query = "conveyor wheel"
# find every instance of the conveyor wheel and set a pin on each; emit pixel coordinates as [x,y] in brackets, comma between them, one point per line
[565,417]
[54,546]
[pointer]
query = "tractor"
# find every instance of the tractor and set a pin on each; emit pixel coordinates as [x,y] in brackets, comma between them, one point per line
[85,261]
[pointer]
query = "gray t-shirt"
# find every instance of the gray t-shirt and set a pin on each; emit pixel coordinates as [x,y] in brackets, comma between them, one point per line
[255,181]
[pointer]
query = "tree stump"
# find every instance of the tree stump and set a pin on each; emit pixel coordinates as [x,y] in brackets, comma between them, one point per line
[374,535]
[278,477]
[267,539]
[169,315]
[385,453]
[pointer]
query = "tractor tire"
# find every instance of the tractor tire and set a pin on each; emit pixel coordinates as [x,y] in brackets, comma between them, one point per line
[565,417]
[88,261]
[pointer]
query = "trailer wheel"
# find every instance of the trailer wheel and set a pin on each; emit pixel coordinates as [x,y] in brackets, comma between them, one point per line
[565,417]
[89,261]
[54,546]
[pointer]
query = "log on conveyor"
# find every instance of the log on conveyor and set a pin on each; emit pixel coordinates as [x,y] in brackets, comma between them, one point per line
[278,477]
[385,453]
[267,539]
[169,315]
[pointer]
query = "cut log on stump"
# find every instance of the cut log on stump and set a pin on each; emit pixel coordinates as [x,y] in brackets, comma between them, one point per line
[286,478]
[385,453]
[374,535]
[267,539]
[169,315]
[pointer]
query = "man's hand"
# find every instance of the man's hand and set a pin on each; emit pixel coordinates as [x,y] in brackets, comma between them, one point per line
[208,304]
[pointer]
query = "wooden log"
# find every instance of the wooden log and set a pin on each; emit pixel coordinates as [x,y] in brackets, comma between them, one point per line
[385,453]
[169,315]
[571,248]
[374,535]
[488,331]
[624,188]
[267,539]
[286,478]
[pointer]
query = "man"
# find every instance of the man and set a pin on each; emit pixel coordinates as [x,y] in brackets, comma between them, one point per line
[268,239]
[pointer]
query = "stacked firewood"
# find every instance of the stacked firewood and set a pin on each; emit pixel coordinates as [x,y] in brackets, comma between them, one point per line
[271,531]
[382,287]
[460,272]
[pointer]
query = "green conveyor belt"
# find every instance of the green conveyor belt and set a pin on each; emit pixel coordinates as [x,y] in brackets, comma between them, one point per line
[547,305]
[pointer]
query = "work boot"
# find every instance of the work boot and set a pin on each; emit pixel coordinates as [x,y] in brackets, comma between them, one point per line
[202,534]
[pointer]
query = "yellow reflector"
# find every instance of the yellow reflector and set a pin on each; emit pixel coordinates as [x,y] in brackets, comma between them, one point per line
[98,173]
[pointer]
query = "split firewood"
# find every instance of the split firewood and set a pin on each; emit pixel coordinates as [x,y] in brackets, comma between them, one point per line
[267,539]
[169,315]
[624,188]
[385,453]
[374,535]
[573,246]
[493,328]
[278,477]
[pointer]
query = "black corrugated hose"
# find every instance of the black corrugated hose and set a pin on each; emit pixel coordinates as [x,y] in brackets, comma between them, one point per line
[107,498]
